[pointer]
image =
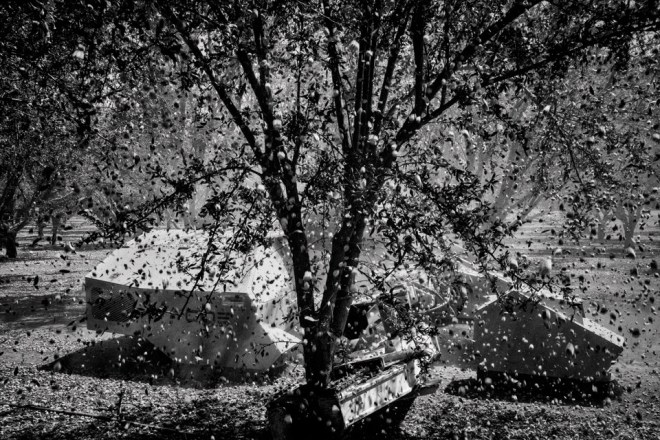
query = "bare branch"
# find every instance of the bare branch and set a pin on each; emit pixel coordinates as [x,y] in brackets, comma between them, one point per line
[518,9]
[365,56]
[258,89]
[409,128]
[336,79]
[219,87]
[374,29]
[260,45]
[417,35]
[389,71]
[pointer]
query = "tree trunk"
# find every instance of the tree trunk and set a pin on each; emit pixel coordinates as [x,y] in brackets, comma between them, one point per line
[7,214]
[57,221]
[319,350]
[11,244]
[505,191]
[337,299]
[601,227]
[8,198]
[630,226]
[8,240]
[629,215]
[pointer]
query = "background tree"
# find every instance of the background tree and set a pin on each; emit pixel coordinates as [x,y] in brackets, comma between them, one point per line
[602,123]
[60,64]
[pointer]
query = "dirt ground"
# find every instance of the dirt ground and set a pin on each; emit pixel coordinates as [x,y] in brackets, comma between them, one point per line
[58,380]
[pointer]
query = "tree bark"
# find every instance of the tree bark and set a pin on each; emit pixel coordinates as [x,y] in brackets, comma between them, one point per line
[8,198]
[602,225]
[629,216]
[8,240]
[11,244]
[601,230]
[630,226]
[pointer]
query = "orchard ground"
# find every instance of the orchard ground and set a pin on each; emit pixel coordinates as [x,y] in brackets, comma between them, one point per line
[107,386]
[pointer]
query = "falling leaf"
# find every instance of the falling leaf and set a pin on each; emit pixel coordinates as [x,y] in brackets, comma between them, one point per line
[79,52]
[570,350]
[545,267]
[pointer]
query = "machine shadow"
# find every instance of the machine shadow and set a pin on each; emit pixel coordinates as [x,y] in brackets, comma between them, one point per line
[134,359]
[530,389]
[127,358]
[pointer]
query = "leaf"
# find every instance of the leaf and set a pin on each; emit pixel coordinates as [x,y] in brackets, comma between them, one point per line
[79,52]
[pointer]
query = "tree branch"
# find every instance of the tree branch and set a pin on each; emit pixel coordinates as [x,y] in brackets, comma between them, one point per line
[220,88]
[518,9]
[362,64]
[417,28]
[260,45]
[258,89]
[395,48]
[336,79]
[374,29]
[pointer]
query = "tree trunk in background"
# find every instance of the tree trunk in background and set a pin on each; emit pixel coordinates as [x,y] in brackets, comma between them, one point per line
[8,198]
[7,214]
[506,190]
[8,240]
[531,202]
[629,215]
[602,225]
[11,244]
[630,226]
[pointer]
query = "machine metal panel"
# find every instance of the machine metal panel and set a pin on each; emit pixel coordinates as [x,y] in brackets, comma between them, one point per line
[243,317]
[365,398]
[533,338]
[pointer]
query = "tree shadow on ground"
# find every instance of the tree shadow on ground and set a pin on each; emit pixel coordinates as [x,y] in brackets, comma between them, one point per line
[530,389]
[219,418]
[33,311]
[222,427]
[231,411]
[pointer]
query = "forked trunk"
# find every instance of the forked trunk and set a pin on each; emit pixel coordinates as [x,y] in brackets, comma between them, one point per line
[321,339]
[319,353]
